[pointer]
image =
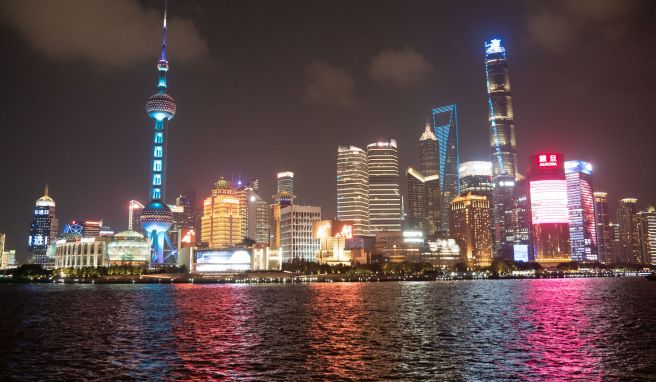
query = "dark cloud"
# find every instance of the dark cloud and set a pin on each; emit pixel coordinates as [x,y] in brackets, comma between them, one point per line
[329,85]
[402,67]
[113,33]
[556,25]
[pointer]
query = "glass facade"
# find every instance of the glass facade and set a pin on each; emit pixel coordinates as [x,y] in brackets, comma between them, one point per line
[580,205]
[445,125]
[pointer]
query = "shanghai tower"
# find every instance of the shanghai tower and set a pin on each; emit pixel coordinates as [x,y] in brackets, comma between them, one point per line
[156,217]
[503,154]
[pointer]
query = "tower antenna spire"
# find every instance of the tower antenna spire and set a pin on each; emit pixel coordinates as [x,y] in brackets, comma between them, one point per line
[163,58]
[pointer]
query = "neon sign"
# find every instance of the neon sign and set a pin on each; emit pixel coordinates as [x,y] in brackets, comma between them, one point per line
[548,160]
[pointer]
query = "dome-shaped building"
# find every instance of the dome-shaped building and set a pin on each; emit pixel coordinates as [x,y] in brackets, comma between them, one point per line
[128,247]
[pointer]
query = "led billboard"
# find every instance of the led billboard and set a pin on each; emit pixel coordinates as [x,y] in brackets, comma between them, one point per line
[549,201]
[210,260]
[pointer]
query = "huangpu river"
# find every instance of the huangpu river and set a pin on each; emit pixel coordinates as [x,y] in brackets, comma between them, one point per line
[588,329]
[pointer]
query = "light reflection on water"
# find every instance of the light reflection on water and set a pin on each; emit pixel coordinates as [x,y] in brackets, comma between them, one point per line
[553,329]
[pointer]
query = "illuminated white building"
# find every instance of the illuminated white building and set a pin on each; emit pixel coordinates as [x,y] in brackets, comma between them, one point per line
[286,182]
[384,191]
[353,188]
[296,223]
[580,204]
[74,251]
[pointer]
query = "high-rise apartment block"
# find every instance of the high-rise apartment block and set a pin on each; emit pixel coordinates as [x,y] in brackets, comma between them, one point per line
[384,190]
[603,229]
[470,226]
[353,188]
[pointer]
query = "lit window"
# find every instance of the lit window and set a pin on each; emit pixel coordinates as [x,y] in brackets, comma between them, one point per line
[157,192]
[159,137]
[157,165]
[157,179]
[158,151]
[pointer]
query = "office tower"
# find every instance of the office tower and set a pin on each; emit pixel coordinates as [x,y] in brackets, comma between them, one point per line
[629,235]
[502,127]
[156,217]
[616,243]
[286,182]
[134,215]
[603,229]
[296,240]
[384,191]
[476,177]
[43,230]
[580,204]
[423,202]
[222,217]
[428,147]
[502,147]
[549,215]
[187,217]
[646,225]
[255,216]
[445,124]
[470,225]
[353,188]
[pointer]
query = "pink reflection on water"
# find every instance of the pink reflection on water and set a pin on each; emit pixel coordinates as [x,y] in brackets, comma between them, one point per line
[212,336]
[336,330]
[555,331]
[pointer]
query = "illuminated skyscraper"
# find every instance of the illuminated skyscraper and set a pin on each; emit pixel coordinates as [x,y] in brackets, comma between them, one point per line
[255,222]
[429,160]
[603,229]
[646,223]
[134,215]
[476,177]
[222,217]
[503,153]
[502,127]
[156,217]
[353,188]
[423,202]
[286,182]
[384,192]
[629,234]
[580,204]
[445,124]
[470,222]
[43,231]
[549,214]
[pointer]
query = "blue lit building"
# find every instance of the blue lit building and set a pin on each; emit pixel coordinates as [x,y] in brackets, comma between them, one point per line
[445,125]
[156,217]
[43,231]
[580,206]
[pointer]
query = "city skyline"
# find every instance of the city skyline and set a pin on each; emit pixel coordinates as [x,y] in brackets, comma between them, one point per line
[118,176]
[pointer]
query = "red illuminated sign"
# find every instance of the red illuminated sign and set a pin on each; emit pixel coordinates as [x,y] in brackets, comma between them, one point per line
[548,160]
[188,237]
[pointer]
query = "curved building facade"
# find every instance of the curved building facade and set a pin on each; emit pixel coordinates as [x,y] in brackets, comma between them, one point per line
[353,188]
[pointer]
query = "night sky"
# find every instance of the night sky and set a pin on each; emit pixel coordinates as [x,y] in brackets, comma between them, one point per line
[264,86]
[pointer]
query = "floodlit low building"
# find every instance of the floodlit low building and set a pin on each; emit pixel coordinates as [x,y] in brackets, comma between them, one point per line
[75,251]
[399,246]
[265,258]
[128,248]
[444,253]
[230,260]
[334,248]
[8,259]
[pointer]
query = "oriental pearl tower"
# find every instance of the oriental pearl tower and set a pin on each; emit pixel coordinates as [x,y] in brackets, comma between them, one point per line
[156,218]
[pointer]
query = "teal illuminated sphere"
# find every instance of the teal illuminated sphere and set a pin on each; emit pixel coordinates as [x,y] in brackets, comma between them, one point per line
[156,216]
[160,106]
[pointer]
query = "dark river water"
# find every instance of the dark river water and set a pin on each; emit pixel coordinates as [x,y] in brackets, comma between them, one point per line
[489,330]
